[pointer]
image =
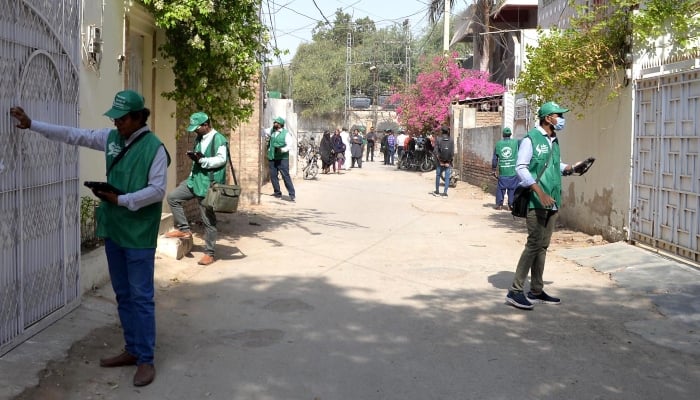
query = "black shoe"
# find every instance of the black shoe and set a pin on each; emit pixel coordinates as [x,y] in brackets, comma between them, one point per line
[542,298]
[518,300]
[292,199]
[435,193]
[443,194]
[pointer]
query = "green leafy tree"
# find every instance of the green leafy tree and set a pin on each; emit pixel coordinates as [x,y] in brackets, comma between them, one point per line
[215,48]
[573,65]
[319,78]
[319,67]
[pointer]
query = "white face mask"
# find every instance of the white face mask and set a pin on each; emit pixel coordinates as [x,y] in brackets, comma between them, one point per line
[561,122]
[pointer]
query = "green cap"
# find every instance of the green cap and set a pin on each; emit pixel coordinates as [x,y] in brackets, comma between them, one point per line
[279,120]
[549,108]
[125,102]
[196,120]
[507,132]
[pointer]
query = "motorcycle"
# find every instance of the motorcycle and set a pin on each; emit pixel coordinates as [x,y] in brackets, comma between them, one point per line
[311,169]
[418,157]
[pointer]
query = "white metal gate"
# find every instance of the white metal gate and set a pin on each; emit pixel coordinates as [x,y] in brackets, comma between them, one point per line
[39,198]
[666,172]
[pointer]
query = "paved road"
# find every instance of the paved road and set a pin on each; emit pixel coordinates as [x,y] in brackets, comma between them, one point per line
[369,288]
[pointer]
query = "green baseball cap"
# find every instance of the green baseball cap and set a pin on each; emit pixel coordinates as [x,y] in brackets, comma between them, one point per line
[507,132]
[196,120]
[279,120]
[125,102]
[550,108]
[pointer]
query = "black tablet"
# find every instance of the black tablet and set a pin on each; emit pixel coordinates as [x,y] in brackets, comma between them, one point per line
[102,187]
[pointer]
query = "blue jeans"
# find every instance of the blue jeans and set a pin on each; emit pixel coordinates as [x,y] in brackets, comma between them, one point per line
[282,167]
[506,183]
[131,272]
[176,199]
[448,173]
[391,151]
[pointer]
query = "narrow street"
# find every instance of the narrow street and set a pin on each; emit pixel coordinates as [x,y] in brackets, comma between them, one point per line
[370,288]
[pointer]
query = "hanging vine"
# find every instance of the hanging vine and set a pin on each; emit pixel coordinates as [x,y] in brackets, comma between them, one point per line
[216,50]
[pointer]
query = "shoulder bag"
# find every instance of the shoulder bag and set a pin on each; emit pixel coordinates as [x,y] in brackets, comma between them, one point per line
[223,198]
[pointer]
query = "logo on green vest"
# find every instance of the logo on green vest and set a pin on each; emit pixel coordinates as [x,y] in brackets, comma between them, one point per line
[542,149]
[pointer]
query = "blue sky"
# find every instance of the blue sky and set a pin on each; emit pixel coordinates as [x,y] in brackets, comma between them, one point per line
[293,20]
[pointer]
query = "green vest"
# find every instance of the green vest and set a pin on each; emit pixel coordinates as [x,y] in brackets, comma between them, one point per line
[277,140]
[198,180]
[550,181]
[507,151]
[130,229]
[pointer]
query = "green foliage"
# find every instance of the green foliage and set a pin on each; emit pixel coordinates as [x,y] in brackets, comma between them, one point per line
[88,223]
[215,49]
[679,19]
[572,65]
[318,68]
[318,71]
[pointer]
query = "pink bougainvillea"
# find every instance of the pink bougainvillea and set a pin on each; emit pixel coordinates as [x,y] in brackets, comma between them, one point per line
[425,105]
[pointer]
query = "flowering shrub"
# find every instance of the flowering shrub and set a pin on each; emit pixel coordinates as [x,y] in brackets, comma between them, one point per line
[425,105]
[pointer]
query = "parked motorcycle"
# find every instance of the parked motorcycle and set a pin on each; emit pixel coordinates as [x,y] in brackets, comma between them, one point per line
[418,157]
[311,169]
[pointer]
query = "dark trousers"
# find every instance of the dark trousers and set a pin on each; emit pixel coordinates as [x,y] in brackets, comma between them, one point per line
[370,151]
[281,167]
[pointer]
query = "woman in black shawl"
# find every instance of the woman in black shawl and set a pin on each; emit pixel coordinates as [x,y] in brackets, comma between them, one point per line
[326,151]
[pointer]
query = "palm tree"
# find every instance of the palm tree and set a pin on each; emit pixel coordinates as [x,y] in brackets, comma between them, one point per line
[480,15]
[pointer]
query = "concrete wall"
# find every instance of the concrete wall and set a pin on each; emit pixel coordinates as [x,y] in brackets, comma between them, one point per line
[97,88]
[599,202]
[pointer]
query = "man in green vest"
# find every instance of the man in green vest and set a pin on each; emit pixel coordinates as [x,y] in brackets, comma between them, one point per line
[538,156]
[128,217]
[209,158]
[503,167]
[278,156]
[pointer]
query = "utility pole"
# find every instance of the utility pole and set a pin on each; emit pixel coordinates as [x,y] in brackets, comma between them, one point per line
[375,74]
[407,62]
[446,30]
[348,60]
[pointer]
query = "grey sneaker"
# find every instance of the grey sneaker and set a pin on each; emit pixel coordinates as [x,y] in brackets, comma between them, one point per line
[542,298]
[518,300]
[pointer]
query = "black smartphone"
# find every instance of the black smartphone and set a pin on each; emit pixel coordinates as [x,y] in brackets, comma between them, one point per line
[102,187]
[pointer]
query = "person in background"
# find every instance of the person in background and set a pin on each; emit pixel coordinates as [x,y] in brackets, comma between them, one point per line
[326,151]
[128,217]
[391,146]
[339,149]
[209,158]
[356,149]
[371,138]
[400,143]
[278,156]
[503,168]
[444,152]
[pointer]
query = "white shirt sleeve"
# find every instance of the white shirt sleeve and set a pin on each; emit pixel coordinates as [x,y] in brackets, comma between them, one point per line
[524,157]
[92,138]
[215,161]
[96,139]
